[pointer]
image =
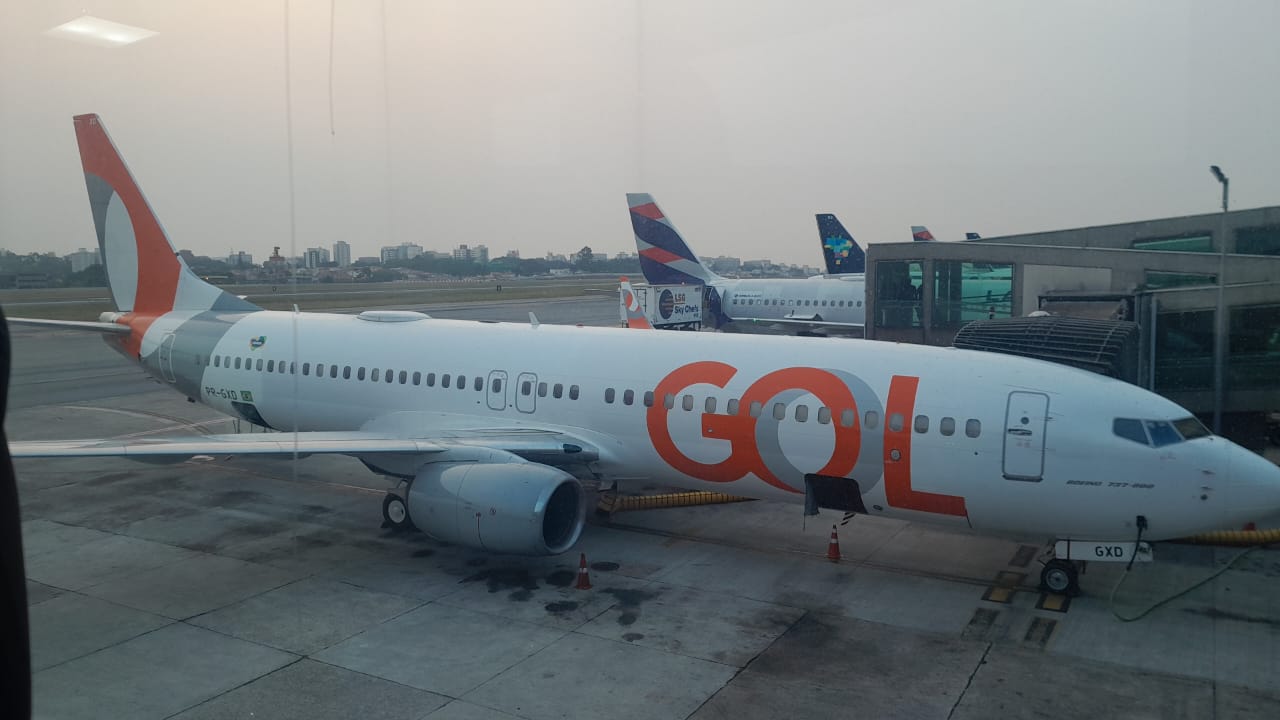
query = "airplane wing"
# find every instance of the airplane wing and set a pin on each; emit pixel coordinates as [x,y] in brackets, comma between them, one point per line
[547,447]
[101,327]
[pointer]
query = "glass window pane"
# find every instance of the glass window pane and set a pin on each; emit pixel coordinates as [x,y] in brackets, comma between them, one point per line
[1184,350]
[802,413]
[1129,429]
[756,408]
[871,420]
[1253,347]
[1190,428]
[417,376]
[375,374]
[731,408]
[824,415]
[628,397]
[1162,433]
[542,389]
[648,398]
[687,402]
[709,406]
[972,428]
[921,424]
[573,392]
[898,293]
[779,411]
[557,390]
[847,417]
[896,422]
[1202,242]
[1258,240]
[947,426]
[967,291]
[608,395]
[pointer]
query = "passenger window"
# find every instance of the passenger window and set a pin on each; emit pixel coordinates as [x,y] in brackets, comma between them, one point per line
[895,422]
[972,428]
[431,379]
[389,376]
[306,369]
[731,407]
[1162,433]
[687,402]
[871,420]
[779,411]
[346,372]
[360,373]
[669,401]
[333,371]
[319,369]
[237,363]
[259,367]
[824,416]
[847,417]
[293,368]
[922,424]
[756,408]
[1130,429]
[628,397]
[496,385]
[648,398]
[526,387]
[280,367]
[444,380]
[608,395]
[478,383]
[947,426]
[462,382]
[542,389]
[375,374]
[709,406]
[557,390]
[573,392]
[802,413]
[217,361]
[417,377]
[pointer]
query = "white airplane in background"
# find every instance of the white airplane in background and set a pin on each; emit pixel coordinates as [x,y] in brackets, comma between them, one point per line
[810,305]
[491,426]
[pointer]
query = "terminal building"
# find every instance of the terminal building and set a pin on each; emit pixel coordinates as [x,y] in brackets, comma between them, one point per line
[1164,275]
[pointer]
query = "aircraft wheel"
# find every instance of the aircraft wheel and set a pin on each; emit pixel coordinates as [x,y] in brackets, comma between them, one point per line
[1060,577]
[395,513]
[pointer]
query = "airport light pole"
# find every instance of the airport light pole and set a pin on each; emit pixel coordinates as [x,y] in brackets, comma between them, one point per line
[1220,315]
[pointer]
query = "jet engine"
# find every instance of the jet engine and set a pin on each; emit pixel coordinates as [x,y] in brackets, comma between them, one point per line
[518,508]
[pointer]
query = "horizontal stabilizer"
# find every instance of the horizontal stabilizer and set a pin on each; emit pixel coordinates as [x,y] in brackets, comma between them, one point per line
[101,327]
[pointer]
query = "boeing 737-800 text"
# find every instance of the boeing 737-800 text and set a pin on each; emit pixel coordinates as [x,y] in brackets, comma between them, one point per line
[491,426]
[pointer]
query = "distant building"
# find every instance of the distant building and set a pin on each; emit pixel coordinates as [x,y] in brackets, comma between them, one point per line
[513,254]
[403,251]
[240,258]
[315,258]
[477,254]
[342,253]
[83,259]
[726,263]
[367,260]
[599,257]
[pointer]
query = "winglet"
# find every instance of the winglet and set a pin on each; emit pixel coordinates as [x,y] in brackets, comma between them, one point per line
[841,252]
[533,319]
[920,233]
[631,306]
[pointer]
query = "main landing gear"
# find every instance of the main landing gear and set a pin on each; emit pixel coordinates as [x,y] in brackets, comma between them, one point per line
[1061,577]
[395,512]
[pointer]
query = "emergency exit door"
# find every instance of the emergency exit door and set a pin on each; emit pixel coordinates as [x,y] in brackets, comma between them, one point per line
[1025,421]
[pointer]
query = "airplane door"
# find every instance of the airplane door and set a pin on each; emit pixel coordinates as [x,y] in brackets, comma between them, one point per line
[526,385]
[498,390]
[1025,421]
[165,358]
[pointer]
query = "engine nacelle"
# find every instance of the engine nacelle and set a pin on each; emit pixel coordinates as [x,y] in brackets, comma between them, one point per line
[515,507]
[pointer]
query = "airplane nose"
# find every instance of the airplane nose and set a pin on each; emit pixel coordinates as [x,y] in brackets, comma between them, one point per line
[1254,493]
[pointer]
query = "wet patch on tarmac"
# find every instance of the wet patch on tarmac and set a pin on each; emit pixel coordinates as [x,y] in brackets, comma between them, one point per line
[632,637]
[630,601]
[605,566]
[561,606]
[515,579]
[561,578]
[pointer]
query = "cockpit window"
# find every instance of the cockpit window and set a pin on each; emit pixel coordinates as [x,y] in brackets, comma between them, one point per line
[1162,433]
[1191,428]
[1130,429]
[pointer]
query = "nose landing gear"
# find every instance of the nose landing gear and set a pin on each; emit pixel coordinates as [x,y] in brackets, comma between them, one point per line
[1061,577]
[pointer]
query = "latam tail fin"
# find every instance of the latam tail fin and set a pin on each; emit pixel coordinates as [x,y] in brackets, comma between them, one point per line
[146,275]
[631,306]
[665,258]
[841,252]
[920,233]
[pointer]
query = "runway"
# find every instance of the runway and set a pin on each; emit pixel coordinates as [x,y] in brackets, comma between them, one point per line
[221,588]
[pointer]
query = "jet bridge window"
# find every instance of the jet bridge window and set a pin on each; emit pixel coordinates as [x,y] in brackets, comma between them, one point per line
[947,426]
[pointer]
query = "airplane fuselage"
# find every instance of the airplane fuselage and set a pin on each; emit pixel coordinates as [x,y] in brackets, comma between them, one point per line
[836,300]
[995,443]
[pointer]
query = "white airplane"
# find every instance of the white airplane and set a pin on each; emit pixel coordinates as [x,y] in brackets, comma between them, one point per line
[810,305]
[489,427]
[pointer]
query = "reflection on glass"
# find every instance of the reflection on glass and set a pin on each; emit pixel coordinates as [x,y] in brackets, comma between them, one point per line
[965,291]
[898,286]
[1253,351]
[1184,350]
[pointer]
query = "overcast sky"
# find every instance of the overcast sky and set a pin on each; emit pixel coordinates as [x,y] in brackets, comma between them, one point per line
[521,124]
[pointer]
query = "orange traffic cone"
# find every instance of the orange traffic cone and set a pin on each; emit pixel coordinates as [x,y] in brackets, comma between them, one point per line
[833,547]
[584,580]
